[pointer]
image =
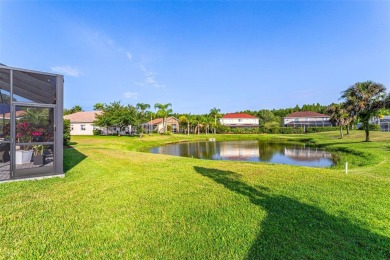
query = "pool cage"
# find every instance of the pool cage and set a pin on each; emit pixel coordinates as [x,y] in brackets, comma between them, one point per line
[31,124]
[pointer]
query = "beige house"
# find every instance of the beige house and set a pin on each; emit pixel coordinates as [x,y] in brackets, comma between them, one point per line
[306,118]
[239,120]
[158,124]
[81,123]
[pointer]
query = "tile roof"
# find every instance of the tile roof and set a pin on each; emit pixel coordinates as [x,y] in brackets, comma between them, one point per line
[83,117]
[18,113]
[238,115]
[306,114]
[157,121]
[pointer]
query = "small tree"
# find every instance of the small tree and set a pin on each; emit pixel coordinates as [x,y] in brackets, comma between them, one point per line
[118,115]
[338,116]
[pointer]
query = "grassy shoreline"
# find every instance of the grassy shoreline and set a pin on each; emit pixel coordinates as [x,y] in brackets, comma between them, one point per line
[116,201]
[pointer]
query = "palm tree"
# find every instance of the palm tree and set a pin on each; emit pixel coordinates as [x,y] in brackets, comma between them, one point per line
[215,112]
[366,98]
[338,116]
[184,120]
[163,111]
[142,107]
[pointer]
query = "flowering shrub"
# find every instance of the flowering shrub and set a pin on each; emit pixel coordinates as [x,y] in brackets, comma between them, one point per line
[26,133]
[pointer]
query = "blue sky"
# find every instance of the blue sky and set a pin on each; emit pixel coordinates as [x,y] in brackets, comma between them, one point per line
[199,55]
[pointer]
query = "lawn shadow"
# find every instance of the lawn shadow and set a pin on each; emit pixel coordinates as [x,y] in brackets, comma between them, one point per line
[293,229]
[72,157]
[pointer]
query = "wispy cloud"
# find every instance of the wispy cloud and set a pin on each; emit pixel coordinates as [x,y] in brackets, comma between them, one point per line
[129,55]
[131,95]
[150,79]
[67,70]
[101,41]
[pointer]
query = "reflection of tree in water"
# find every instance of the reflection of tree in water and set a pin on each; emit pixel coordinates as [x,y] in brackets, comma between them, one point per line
[267,150]
[295,230]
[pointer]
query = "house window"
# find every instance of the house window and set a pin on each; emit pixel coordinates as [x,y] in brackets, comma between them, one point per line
[82,127]
[239,120]
[71,127]
[296,119]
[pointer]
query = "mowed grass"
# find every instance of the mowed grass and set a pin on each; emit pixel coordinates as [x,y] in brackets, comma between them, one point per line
[118,201]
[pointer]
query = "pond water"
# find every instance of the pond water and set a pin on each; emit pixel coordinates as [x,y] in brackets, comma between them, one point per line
[252,151]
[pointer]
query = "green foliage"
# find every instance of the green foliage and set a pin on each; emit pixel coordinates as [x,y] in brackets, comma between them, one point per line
[118,115]
[371,127]
[72,110]
[97,131]
[66,131]
[98,106]
[322,129]
[366,99]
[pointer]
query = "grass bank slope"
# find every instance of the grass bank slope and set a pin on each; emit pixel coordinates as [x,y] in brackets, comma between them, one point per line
[116,201]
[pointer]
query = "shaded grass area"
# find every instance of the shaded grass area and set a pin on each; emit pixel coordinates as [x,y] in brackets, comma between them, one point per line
[117,202]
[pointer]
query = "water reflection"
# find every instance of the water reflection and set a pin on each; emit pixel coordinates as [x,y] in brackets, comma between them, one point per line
[253,151]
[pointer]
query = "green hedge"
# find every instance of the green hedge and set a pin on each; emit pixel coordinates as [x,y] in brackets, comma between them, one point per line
[66,131]
[322,129]
[275,130]
[371,127]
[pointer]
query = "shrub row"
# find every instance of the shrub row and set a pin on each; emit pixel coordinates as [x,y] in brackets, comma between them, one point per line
[274,130]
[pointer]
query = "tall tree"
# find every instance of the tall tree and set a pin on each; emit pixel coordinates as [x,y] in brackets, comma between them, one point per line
[163,110]
[366,98]
[214,112]
[142,107]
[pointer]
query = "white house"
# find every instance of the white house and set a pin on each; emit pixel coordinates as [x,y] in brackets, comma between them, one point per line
[239,120]
[81,123]
[306,118]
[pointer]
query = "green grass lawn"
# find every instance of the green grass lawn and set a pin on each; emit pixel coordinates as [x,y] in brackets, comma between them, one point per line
[118,201]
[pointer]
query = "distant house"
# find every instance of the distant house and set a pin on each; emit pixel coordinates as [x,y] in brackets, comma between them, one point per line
[239,120]
[81,123]
[306,118]
[158,124]
[383,122]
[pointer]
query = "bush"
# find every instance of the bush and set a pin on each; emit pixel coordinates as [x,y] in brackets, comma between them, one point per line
[322,129]
[371,127]
[66,131]
[97,132]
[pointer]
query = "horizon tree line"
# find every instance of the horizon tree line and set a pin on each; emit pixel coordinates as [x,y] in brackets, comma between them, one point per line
[361,102]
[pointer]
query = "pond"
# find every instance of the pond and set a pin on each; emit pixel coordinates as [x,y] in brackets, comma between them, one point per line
[251,151]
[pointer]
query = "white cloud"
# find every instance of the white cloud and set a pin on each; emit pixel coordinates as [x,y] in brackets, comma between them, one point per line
[67,70]
[132,95]
[149,79]
[129,55]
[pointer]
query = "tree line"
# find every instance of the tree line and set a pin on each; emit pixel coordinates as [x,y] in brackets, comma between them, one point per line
[360,103]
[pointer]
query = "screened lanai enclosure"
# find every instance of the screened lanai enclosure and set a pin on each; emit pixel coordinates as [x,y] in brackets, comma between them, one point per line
[31,124]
